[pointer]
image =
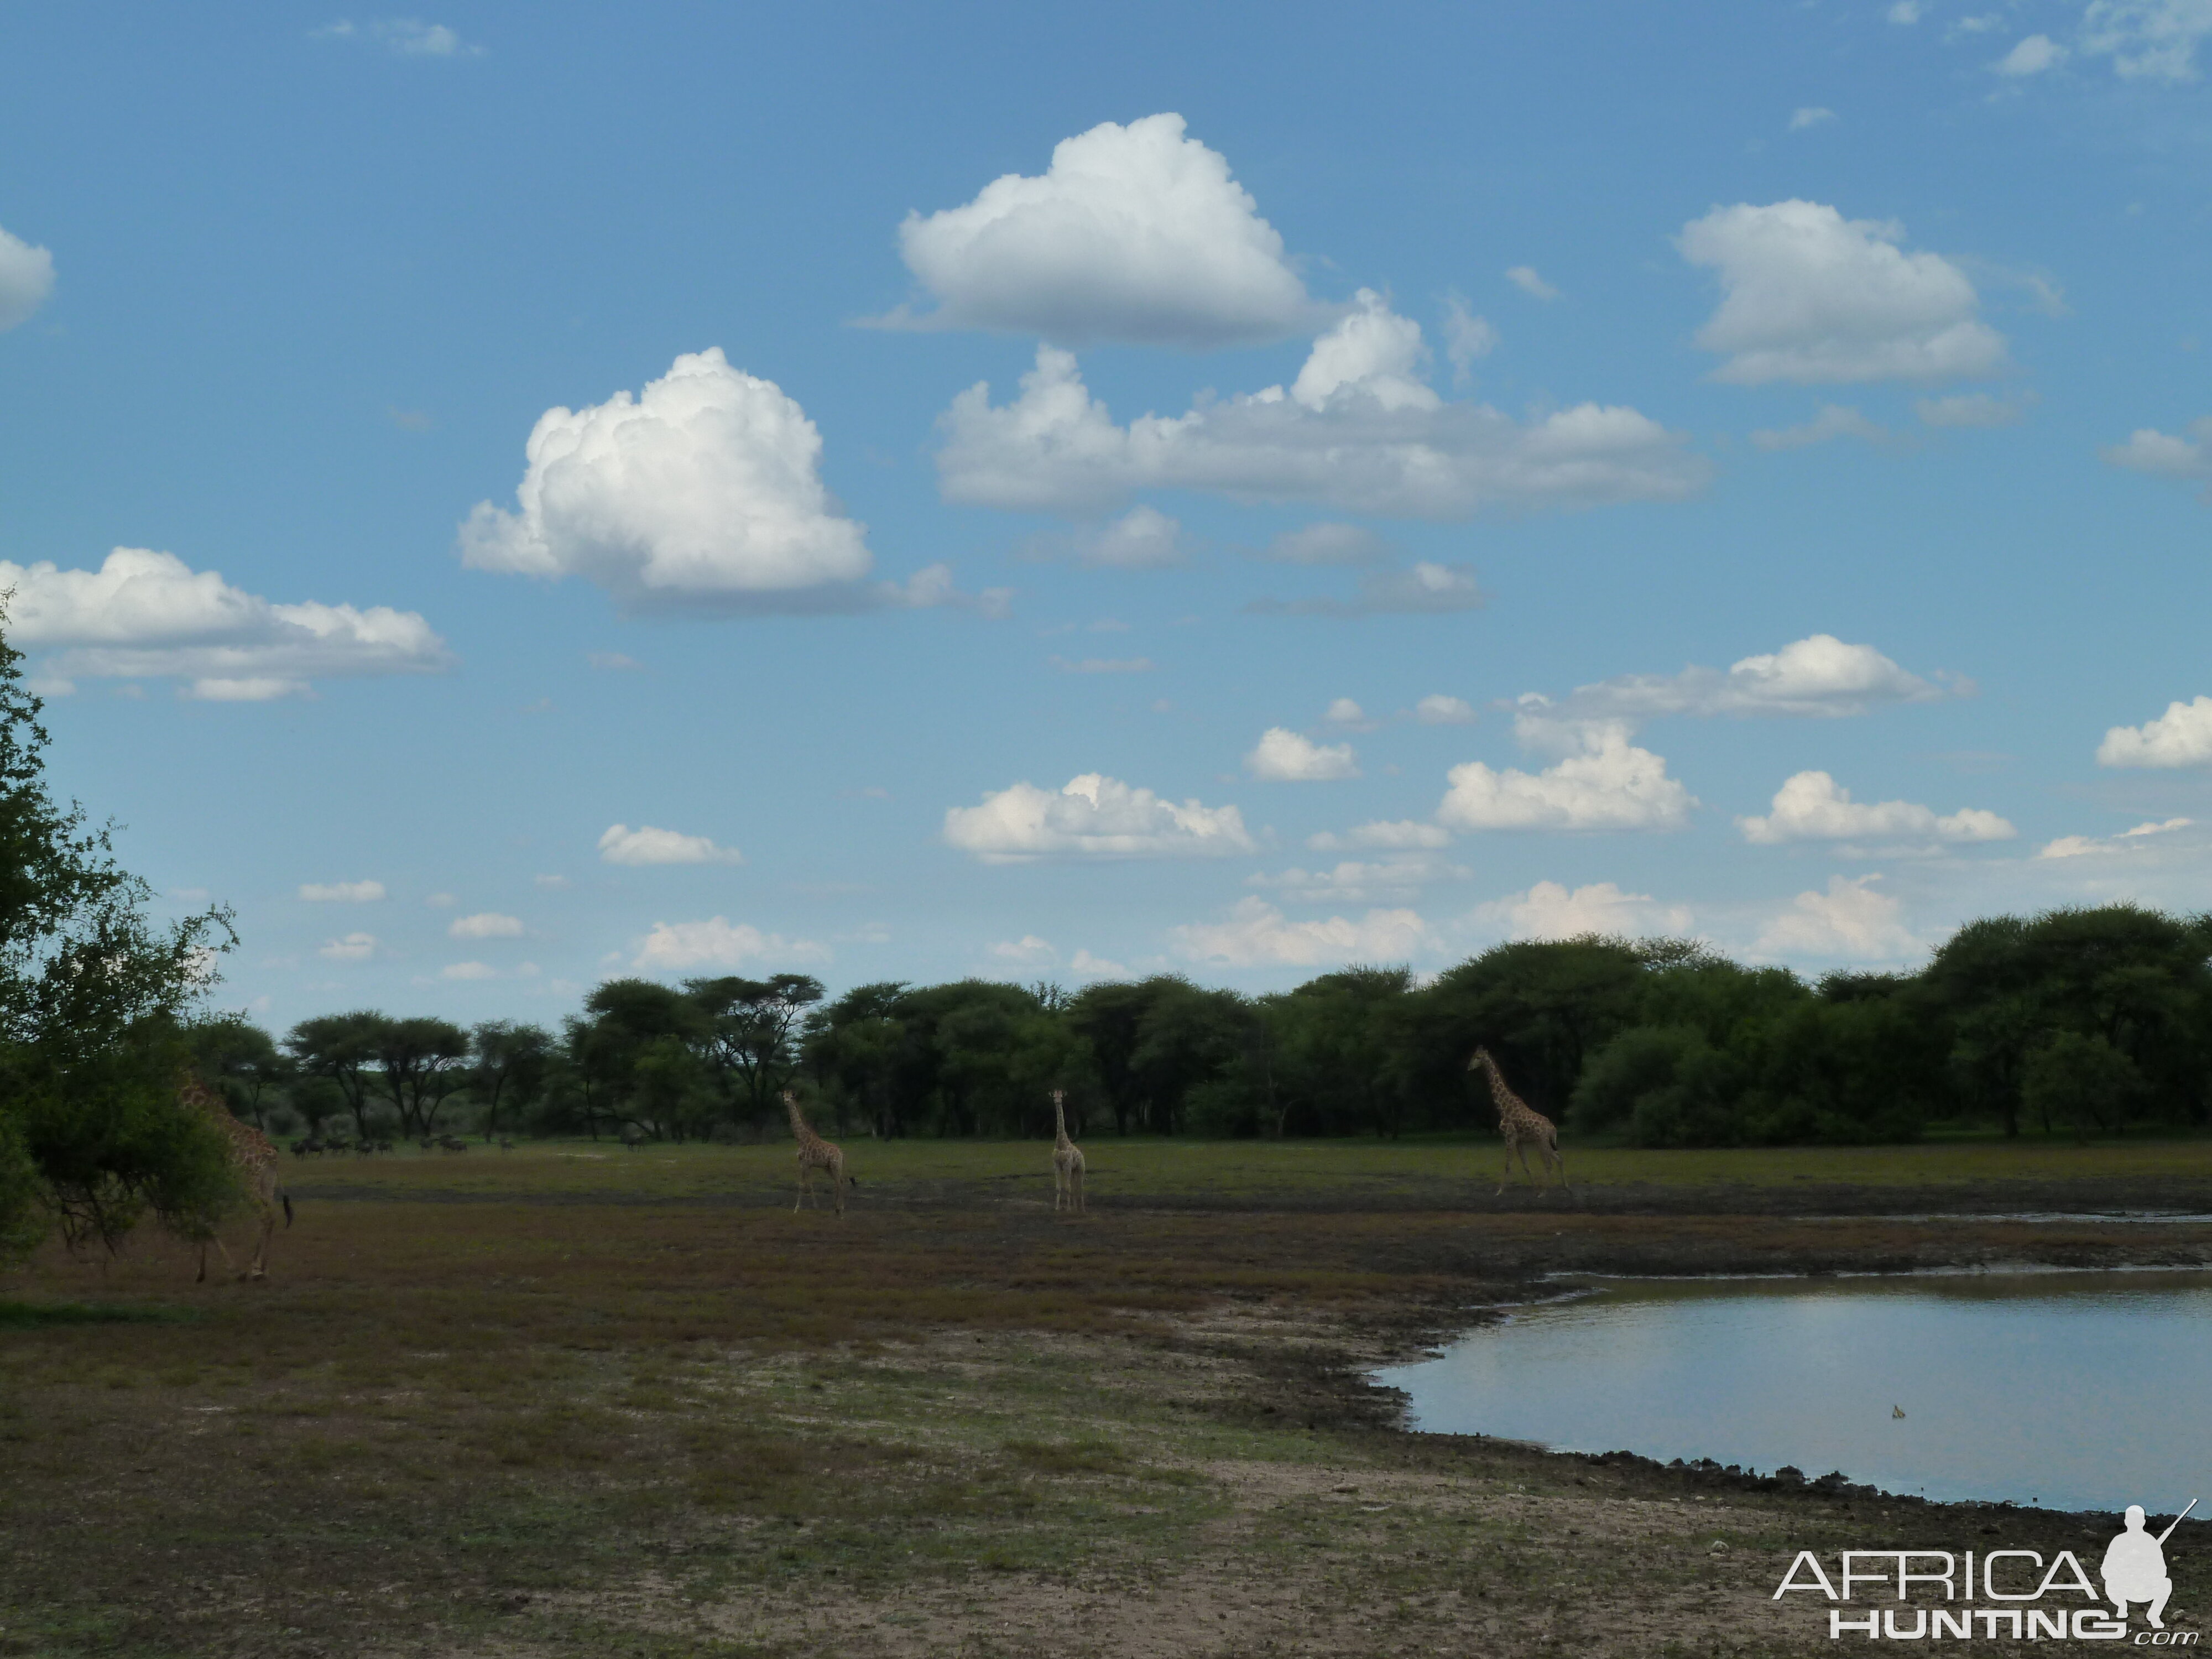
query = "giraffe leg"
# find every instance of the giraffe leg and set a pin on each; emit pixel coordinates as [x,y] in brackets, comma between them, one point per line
[802,1189]
[260,1267]
[1508,1173]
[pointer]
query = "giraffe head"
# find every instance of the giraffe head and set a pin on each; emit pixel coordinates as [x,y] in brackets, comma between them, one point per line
[1059,1096]
[1481,1059]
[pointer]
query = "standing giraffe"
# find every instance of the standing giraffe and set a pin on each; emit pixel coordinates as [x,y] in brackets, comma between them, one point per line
[1521,1124]
[815,1154]
[255,1159]
[1066,1160]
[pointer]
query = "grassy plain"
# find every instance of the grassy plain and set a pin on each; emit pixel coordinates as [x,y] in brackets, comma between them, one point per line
[580,1399]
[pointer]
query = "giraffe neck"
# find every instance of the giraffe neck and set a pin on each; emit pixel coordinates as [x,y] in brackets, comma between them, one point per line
[1060,1125]
[1501,1097]
[800,1132]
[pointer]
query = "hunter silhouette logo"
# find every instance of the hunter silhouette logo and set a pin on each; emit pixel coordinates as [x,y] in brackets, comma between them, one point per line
[2013,1585]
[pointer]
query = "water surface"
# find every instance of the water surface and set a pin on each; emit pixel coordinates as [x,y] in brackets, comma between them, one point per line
[2072,1390]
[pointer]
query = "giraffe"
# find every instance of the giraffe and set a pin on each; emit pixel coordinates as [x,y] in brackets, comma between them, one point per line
[1521,1124]
[255,1160]
[816,1153]
[1066,1160]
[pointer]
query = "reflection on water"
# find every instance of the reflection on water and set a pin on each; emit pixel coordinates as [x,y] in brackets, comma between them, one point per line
[2074,1390]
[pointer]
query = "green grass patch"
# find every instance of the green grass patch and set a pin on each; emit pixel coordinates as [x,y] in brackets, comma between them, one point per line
[45,1316]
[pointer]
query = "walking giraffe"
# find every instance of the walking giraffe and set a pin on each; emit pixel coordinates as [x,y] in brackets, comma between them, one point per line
[1521,1124]
[1066,1160]
[255,1160]
[815,1154]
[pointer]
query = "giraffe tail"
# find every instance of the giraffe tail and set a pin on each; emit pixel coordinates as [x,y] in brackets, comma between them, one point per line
[852,1181]
[287,1199]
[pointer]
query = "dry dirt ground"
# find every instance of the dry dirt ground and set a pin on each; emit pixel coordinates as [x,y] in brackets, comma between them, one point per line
[516,1418]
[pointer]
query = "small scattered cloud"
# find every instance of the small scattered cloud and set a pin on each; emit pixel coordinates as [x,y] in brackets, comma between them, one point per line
[144,614]
[1525,278]
[1425,589]
[1904,12]
[646,845]
[1811,297]
[408,420]
[1971,409]
[1256,933]
[1834,421]
[1142,538]
[1468,339]
[2185,458]
[2031,55]
[27,279]
[1550,911]
[613,661]
[1344,712]
[2180,736]
[1092,816]
[1104,664]
[342,892]
[1438,709]
[1354,881]
[2148,40]
[1282,756]
[2128,841]
[487,925]
[1029,951]
[1137,234]
[552,884]
[353,947]
[408,37]
[468,970]
[1606,783]
[1809,116]
[1852,921]
[1813,807]
[1328,543]
[440,901]
[1402,835]
[1084,965]
[672,947]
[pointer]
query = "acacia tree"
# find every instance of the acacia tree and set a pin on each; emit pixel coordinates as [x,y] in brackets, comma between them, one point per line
[750,1024]
[342,1048]
[239,1057]
[422,1062]
[93,998]
[511,1065]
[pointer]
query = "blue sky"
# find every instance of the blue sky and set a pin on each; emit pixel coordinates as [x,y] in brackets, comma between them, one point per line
[902,494]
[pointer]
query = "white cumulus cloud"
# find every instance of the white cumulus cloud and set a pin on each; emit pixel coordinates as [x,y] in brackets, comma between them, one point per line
[1257,935]
[1092,816]
[1359,430]
[2031,55]
[702,492]
[1282,756]
[1607,784]
[2180,736]
[1343,711]
[671,947]
[1813,807]
[1354,881]
[27,277]
[488,925]
[353,947]
[342,892]
[646,845]
[1438,709]
[1136,233]
[1819,676]
[1834,421]
[1809,296]
[1144,538]
[1028,950]
[1085,965]
[1549,910]
[1810,115]
[1852,921]
[1525,278]
[148,615]
[468,970]
[2186,459]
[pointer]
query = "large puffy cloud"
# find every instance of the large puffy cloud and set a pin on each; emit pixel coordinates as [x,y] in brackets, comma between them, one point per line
[1256,934]
[1283,756]
[1850,921]
[26,277]
[2150,40]
[1813,807]
[672,947]
[1358,430]
[646,845]
[1092,816]
[1549,910]
[1818,675]
[1607,784]
[2187,460]
[147,615]
[1136,233]
[2180,736]
[702,492]
[1811,297]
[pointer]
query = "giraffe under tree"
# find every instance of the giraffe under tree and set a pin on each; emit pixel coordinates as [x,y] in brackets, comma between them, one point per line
[1066,1160]
[254,1159]
[1520,1125]
[816,1153]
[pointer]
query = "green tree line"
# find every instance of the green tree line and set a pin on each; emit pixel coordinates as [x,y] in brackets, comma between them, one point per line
[2078,1021]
